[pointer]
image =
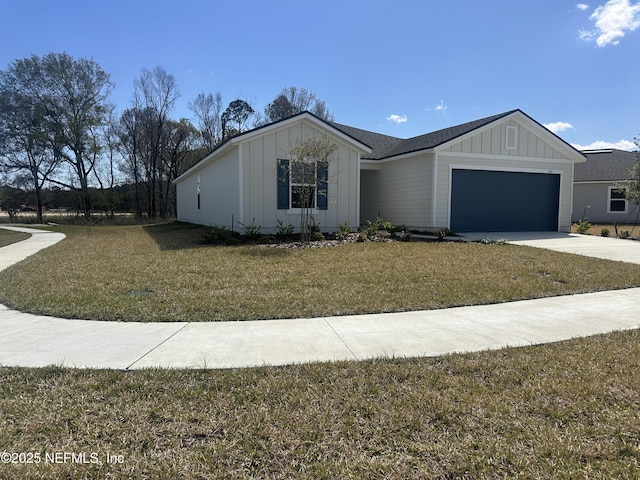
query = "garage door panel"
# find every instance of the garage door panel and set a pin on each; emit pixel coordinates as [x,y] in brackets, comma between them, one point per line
[483,200]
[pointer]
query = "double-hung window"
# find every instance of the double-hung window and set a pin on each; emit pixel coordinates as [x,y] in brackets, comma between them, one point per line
[301,185]
[617,203]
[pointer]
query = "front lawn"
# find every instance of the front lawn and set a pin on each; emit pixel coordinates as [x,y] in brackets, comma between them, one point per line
[165,273]
[566,410]
[7,237]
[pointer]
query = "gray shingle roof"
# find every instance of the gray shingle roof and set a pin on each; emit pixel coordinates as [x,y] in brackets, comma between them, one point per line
[385,146]
[604,165]
[379,143]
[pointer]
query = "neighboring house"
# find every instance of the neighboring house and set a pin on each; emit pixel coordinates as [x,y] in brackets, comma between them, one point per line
[597,195]
[501,173]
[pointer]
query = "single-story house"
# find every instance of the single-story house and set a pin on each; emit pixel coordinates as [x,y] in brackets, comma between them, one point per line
[505,172]
[597,195]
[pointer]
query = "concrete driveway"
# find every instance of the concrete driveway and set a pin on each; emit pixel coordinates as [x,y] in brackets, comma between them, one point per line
[607,248]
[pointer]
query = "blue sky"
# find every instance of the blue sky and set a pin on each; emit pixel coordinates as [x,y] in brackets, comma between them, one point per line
[397,67]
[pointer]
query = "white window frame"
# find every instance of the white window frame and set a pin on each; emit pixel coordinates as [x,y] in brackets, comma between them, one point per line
[312,208]
[511,133]
[609,200]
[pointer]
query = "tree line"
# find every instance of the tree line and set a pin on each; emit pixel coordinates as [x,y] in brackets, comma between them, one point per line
[60,133]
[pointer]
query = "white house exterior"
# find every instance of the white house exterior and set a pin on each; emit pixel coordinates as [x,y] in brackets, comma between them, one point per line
[501,173]
[238,182]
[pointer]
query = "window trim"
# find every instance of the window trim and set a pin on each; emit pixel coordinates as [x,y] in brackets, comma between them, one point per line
[292,184]
[610,191]
[511,133]
[284,188]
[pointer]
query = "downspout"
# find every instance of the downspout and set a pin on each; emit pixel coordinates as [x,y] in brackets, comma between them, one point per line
[573,166]
[434,188]
[357,225]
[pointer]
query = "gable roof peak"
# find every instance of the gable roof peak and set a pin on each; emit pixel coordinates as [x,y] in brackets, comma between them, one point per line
[386,146]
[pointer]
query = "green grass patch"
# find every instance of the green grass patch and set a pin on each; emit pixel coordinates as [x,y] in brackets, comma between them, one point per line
[566,410]
[7,237]
[164,273]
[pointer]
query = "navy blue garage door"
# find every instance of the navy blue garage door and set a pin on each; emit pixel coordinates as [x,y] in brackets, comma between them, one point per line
[492,201]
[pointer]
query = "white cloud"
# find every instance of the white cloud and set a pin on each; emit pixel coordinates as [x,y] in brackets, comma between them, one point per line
[556,127]
[397,118]
[612,21]
[582,6]
[601,144]
[441,107]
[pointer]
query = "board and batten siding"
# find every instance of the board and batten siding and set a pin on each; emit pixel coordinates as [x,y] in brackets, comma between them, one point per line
[493,141]
[399,191]
[487,150]
[259,157]
[219,196]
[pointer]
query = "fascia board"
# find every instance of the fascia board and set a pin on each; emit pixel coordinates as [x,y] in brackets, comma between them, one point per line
[310,119]
[402,156]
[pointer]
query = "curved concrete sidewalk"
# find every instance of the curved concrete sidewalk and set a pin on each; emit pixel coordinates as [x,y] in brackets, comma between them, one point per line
[35,341]
[17,252]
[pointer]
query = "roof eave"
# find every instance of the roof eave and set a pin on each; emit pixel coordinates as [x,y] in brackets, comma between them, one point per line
[265,129]
[413,153]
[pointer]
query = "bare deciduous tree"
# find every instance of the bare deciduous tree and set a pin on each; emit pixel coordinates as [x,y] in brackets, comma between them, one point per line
[208,112]
[631,185]
[155,95]
[307,176]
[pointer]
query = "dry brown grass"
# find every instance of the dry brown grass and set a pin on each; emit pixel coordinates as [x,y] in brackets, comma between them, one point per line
[567,410]
[596,229]
[162,273]
[7,237]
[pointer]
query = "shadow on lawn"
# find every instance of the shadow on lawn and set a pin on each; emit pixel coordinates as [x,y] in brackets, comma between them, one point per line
[176,235]
[183,236]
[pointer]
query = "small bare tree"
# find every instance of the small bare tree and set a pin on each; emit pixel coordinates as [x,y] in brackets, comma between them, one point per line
[633,178]
[308,179]
[208,110]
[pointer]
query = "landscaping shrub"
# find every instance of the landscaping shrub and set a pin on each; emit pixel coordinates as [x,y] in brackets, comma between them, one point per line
[284,230]
[443,232]
[251,230]
[315,235]
[377,225]
[582,226]
[344,232]
[604,232]
[268,239]
[217,235]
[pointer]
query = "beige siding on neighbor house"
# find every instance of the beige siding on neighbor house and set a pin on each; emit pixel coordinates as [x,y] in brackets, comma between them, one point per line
[399,191]
[591,200]
[219,195]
